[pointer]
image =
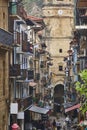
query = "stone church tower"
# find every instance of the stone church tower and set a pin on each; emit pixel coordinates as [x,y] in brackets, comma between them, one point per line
[59,19]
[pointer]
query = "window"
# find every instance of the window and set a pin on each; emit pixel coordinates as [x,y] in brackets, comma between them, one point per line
[60,68]
[60,50]
[3,15]
[4,20]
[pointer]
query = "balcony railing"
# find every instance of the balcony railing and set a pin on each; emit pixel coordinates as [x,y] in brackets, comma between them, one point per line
[27,47]
[43,64]
[81,17]
[37,76]
[37,55]
[83,62]
[30,74]
[69,63]
[44,81]
[17,38]
[14,70]
[23,74]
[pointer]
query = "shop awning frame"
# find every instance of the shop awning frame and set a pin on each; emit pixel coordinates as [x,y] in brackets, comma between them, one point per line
[38,110]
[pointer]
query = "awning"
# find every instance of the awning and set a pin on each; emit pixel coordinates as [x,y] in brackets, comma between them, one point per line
[32,84]
[72,108]
[69,104]
[39,110]
[30,22]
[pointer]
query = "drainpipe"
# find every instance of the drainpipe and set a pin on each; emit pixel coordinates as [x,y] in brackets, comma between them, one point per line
[75,10]
[14,59]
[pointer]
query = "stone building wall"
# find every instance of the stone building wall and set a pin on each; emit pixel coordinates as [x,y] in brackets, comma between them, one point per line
[4,68]
[4,89]
[58,16]
[4,14]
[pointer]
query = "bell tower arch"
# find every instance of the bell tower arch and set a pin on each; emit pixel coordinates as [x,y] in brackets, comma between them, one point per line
[58,97]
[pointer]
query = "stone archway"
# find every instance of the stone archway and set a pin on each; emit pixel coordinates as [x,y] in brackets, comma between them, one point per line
[58,97]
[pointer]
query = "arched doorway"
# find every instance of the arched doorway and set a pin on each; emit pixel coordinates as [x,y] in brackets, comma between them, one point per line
[58,97]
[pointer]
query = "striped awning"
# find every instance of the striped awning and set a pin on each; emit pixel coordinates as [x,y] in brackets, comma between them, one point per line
[72,108]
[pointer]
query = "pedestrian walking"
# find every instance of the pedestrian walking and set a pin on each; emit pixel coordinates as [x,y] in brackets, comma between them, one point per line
[68,122]
[54,124]
[62,111]
[64,127]
[58,125]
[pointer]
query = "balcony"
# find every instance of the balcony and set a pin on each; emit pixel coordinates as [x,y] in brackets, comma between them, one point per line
[37,55]
[69,63]
[43,64]
[23,74]
[27,47]
[17,39]
[44,81]
[37,76]
[16,9]
[78,66]
[83,62]
[14,70]
[81,18]
[13,8]
[30,74]
[24,102]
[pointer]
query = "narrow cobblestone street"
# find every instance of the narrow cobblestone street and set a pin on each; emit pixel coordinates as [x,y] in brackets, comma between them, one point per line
[61,119]
[43,64]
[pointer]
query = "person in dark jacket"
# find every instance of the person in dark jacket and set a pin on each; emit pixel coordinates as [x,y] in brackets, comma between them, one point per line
[54,124]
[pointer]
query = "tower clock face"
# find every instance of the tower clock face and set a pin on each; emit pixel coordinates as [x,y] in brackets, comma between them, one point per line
[60,12]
